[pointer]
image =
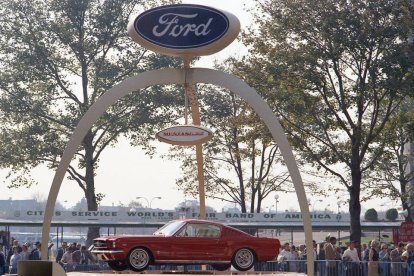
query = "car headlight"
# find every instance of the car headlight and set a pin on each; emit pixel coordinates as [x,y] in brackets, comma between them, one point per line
[113,244]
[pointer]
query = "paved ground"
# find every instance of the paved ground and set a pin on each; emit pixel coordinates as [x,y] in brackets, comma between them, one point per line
[181,274]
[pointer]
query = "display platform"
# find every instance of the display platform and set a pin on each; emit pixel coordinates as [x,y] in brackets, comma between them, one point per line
[180,273]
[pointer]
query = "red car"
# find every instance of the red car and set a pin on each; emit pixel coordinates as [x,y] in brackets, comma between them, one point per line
[187,242]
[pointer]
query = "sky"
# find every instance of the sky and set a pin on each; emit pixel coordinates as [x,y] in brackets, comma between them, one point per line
[125,173]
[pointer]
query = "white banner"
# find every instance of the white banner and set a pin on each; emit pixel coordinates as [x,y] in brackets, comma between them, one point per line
[167,215]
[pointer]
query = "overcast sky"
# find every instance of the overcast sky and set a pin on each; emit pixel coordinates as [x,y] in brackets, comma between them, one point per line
[126,173]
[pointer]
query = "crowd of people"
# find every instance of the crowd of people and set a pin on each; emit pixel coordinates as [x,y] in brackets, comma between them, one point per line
[374,259]
[73,256]
[16,253]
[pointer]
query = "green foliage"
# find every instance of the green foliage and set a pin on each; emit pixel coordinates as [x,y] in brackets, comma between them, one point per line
[61,56]
[334,71]
[391,214]
[371,215]
[242,163]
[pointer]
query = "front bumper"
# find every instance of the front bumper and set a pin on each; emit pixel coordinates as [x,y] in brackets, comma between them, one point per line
[109,255]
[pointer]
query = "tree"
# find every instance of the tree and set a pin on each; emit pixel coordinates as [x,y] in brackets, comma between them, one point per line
[393,176]
[371,215]
[391,214]
[334,71]
[242,163]
[60,57]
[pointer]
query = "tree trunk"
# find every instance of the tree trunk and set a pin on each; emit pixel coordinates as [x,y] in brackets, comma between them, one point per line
[409,211]
[93,231]
[405,201]
[355,205]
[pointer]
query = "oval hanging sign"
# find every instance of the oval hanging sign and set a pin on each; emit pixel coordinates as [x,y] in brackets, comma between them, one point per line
[187,135]
[184,29]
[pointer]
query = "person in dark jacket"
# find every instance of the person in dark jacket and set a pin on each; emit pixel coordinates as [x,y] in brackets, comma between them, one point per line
[2,261]
[35,254]
[61,251]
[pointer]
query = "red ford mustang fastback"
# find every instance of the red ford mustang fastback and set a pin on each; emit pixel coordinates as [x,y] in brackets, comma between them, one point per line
[187,242]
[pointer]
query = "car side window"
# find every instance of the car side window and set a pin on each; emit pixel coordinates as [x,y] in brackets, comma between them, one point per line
[199,230]
[208,231]
[213,231]
[190,230]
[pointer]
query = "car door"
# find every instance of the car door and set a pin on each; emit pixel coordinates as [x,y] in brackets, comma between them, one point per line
[191,243]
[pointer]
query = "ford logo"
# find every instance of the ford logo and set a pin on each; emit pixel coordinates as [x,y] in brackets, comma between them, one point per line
[184,30]
[185,135]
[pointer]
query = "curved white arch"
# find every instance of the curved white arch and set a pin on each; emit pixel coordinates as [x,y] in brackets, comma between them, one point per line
[177,76]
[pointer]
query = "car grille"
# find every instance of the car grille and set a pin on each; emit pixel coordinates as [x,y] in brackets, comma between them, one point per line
[99,243]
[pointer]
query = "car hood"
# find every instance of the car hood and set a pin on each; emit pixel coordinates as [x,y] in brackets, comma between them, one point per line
[131,237]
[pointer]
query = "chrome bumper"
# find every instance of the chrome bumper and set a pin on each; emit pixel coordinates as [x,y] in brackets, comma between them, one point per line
[96,251]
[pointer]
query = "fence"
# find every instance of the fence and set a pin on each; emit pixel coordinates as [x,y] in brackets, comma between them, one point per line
[340,268]
[322,268]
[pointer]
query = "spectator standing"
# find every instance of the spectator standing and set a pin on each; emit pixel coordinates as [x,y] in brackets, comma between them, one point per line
[293,259]
[365,257]
[302,258]
[364,252]
[384,258]
[373,258]
[36,252]
[315,257]
[396,259]
[84,257]
[331,257]
[284,256]
[25,252]
[67,261]
[351,259]
[13,260]
[10,252]
[76,256]
[2,261]
[61,250]
[408,256]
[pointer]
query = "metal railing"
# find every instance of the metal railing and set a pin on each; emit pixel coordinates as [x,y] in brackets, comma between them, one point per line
[341,268]
[321,268]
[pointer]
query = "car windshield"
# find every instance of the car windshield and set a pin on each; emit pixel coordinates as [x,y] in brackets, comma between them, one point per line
[170,228]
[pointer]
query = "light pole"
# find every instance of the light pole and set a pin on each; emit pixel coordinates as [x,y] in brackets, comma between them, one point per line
[156,197]
[313,205]
[149,202]
[277,200]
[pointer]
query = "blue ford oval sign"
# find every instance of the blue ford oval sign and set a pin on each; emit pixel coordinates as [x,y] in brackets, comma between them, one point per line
[184,30]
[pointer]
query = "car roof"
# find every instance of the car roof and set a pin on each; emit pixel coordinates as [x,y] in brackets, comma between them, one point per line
[201,221]
[213,222]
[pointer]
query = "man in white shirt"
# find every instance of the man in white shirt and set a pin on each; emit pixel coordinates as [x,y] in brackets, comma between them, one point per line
[351,259]
[284,256]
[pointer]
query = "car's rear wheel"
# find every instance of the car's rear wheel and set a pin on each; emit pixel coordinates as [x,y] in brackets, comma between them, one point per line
[118,265]
[220,267]
[139,259]
[243,259]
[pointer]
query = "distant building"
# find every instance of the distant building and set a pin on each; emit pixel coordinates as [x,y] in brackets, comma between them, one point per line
[19,204]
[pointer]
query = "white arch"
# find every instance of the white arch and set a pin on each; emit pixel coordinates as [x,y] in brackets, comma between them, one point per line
[177,76]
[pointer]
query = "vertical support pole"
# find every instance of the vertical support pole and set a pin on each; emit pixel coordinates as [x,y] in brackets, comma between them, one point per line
[339,236]
[195,114]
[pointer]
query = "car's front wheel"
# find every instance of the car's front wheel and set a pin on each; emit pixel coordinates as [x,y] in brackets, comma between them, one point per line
[139,259]
[243,259]
[117,265]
